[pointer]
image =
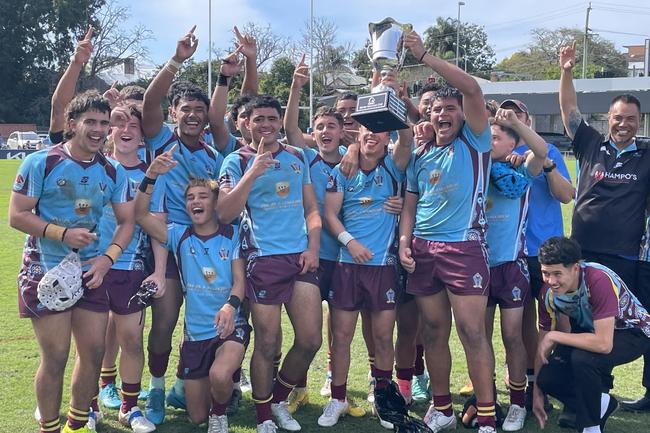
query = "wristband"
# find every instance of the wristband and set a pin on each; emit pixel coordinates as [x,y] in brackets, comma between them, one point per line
[345,238]
[234,301]
[54,232]
[223,80]
[173,63]
[146,185]
[551,168]
[422,57]
[113,252]
[109,258]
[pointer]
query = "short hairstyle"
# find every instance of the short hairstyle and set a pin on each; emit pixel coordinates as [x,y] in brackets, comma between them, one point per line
[626,98]
[262,101]
[492,107]
[191,92]
[239,102]
[330,112]
[509,132]
[90,100]
[133,92]
[347,96]
[449,92]
[210,184]
[559,250]
[429,87]
[176,87]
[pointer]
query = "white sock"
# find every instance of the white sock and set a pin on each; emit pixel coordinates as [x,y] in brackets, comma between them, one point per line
[592,429]
[604,403]
[179,386]
[157,382]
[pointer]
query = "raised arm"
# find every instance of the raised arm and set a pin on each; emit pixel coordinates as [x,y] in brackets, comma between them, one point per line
[152,113]
[539,149]
[248,46]
[291,114]
[473,102]
[571,116]
[230,66]
[65,88]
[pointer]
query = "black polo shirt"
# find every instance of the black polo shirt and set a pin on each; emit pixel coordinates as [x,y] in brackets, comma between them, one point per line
[609,214]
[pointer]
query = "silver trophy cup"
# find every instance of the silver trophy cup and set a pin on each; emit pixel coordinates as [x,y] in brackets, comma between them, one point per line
[382,110]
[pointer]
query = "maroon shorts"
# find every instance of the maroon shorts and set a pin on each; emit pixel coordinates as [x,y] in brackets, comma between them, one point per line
[325,273]
[509,284]
[121,285]
[171,271]
[270,279]
[196,357]
[30,307]
[460,267]
[364,287]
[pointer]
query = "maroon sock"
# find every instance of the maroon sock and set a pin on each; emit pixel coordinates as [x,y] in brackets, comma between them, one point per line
[263,409]
[302,383]
[281,388]
[93,404]
[419,360]
[485,414]
[442,403]
[518,393]
[236,376]
[404,373]
[130,392]
[217,408]
[51,426]
[340,391]
[382,374]
[107,376]
[77,418]
[158,362]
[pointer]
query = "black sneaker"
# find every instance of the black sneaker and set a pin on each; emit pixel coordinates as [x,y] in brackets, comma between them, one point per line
[567,418]
[611,408]
[233,405]
[640,405]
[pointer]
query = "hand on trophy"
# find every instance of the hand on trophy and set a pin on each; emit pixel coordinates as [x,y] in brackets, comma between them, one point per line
[300,74]
[413,42]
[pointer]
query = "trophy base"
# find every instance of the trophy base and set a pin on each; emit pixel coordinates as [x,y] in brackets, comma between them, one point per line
[381,112]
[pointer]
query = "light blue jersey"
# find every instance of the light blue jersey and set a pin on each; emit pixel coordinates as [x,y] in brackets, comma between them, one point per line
[644,254]
[362,212]
[200,161]
[135,255]
[205,267]
[70,194]
[451,183]
[320,171]
[273,220]
[507,219]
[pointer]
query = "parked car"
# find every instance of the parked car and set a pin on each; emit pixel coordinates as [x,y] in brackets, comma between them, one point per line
[24,140]
[45,139]
[561,141]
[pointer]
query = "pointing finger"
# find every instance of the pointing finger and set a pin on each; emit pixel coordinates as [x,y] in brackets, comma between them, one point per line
[260,146]
[170,152]
[89,33]
[302,60]
[238,34]
[191,32]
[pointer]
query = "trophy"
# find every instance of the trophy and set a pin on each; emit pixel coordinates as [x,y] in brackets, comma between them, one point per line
[382,110]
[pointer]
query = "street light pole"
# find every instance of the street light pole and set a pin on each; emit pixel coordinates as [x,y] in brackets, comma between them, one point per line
[209,48]
[460,3]
[311,61]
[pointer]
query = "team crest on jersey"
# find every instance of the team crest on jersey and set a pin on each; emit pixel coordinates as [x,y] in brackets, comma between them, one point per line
[82,206]
[478,281]
[60,181]
[296,168]
[379,180]
[282,189]
[516,294]
[434,177]
[102,186]
[330,182]
[365,201]
[390,296]
[223,254]
[19,182]
[192,250]
[35,270]
[209,274]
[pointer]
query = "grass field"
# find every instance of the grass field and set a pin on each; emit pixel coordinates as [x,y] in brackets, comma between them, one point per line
[19,360]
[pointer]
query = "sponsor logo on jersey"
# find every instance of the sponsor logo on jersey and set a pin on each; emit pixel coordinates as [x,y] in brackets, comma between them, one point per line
[61,181]
[239,333]
[83,180]
[261,294]
[209,274]
[365,201]
[614,177]
[434,177]
[82,206]
[282,189]
[379,180]
[223,254]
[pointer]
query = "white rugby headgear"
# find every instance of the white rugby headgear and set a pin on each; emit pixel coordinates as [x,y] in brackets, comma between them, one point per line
[60,288]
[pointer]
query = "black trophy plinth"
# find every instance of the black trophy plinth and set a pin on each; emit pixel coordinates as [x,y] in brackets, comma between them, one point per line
[381,111]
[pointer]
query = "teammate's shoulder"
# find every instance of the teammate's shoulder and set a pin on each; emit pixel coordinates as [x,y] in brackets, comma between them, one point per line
[227,230]
[294,151]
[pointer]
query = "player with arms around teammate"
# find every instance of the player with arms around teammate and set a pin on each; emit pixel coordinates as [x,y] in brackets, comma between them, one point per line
[216,330]
[58,198]
[442,238]
[280,231]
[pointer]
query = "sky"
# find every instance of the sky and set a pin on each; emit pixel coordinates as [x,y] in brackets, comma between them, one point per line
[507,22]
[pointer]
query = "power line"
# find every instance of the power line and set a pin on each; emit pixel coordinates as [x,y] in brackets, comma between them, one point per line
[619,33]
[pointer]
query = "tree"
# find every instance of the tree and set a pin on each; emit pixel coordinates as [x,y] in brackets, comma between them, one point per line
[539,60]
[113,42]
[476,56]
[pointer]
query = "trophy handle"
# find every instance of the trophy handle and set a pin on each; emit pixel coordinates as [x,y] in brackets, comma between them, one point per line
[406,29]
[369,51]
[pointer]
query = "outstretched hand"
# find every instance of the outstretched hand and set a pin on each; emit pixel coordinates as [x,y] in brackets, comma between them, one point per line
[231,64]
[413,42]
[301,73]
[186,46]
[163,163]
[247,43]
[568,56]
[84,48]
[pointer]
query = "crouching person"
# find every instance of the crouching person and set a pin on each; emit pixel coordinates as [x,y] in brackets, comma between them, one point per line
[216,331]
[589,322]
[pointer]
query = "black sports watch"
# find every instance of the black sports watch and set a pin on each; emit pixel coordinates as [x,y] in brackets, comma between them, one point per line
[234,301]
[551,168]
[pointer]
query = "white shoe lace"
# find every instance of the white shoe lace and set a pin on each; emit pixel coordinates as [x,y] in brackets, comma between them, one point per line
[515,414]
[332,409]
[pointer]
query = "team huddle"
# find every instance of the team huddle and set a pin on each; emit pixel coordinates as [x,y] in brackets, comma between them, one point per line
[455,215]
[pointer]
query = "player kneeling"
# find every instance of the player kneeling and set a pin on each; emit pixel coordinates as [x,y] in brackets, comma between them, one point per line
[216,331]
